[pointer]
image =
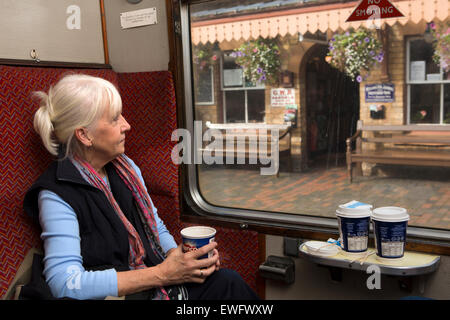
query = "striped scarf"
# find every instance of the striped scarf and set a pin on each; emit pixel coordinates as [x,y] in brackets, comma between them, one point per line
[145,208]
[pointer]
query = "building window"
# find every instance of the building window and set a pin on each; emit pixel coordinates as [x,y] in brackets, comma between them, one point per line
[244,101]
[428,85]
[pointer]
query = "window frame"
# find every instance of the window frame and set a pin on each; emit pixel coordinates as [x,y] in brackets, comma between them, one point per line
[410,83]
[195,209]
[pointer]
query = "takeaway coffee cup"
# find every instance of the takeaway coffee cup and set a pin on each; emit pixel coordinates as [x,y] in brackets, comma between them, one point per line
[354,221]
[196,237]
[389,226]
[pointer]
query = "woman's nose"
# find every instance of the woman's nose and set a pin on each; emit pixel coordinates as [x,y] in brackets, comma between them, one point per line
[125,125]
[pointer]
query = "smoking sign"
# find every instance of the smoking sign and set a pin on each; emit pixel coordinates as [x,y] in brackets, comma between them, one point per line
[373,11]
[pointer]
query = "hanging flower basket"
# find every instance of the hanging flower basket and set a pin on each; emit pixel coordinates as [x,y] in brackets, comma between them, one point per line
[441,34]
[203,55]
[355,53]
[260,60]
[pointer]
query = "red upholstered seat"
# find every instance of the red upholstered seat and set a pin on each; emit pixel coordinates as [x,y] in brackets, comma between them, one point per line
[149,106]
[23,158]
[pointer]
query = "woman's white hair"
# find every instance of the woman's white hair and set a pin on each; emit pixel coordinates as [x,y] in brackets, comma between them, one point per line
[77,100]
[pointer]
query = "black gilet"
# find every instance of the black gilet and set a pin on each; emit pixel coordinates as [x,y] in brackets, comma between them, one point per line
[104,239]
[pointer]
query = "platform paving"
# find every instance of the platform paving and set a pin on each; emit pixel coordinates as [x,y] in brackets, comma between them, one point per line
[424,192]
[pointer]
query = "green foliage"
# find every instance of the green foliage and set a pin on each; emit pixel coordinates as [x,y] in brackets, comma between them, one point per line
[203,55]
[355,53]
[441,35]
[260,60]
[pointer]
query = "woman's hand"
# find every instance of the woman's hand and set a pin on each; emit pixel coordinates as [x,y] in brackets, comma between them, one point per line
[180,267]
[177,268]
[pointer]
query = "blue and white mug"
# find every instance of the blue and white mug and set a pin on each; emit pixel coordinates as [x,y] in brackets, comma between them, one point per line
[196,237]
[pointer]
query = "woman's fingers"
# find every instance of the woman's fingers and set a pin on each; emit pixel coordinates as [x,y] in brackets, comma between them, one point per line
[218,259]
[200,275]
[202,251]
[182,267]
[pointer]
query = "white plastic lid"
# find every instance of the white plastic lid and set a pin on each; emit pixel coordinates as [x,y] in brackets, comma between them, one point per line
[321,248]
[354,209]
[198,232]
[390,214]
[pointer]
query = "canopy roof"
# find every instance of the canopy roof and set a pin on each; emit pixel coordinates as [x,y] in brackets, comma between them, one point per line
[310,19]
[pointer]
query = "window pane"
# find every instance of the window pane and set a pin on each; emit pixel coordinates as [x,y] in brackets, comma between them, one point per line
[235,106]
[232,73]
[422,65]
[256,105]
[203,85]
[425,103]
[279,68]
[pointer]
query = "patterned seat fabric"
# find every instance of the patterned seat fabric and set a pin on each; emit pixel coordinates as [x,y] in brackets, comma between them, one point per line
[23,158]
[149,106]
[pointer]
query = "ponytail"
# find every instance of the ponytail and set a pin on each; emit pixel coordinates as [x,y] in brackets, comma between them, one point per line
[43,123]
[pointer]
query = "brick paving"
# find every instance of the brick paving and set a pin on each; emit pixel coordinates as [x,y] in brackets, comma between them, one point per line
[424,192]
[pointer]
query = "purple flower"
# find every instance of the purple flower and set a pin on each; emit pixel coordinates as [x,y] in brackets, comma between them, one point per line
[359,79]
[263,77]
[367,40]
[379,58]
[259,70]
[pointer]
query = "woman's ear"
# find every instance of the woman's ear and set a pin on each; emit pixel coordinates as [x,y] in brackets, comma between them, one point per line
[83,137]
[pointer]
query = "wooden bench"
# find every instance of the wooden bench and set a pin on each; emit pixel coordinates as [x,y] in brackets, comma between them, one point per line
[242,141]
[419,145]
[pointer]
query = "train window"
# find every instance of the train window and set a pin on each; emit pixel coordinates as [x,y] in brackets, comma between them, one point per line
[287,82]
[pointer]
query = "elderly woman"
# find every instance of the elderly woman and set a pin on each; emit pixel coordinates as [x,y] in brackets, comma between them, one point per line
[102,235]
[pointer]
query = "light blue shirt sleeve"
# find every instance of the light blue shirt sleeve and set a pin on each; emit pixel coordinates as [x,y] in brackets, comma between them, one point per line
[63,268]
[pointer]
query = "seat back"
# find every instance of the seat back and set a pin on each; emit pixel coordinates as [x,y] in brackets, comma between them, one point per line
[23,159]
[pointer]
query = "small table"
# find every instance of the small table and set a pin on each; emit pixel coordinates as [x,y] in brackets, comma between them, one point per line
[412,264]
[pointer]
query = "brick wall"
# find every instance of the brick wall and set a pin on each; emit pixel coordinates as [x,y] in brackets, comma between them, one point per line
[395,111]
